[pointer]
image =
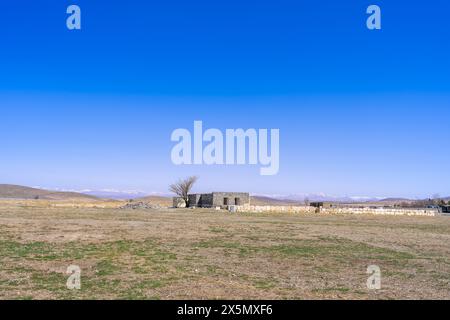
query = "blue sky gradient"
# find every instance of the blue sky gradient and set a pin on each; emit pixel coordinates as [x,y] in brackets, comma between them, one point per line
[360,112]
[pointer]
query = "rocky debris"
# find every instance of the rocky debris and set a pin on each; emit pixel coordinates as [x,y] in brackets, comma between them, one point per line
[140,205]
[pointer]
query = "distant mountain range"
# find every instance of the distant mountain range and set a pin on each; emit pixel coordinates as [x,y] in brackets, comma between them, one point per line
[322,197]
[301,198]
[266,201]
[8,191]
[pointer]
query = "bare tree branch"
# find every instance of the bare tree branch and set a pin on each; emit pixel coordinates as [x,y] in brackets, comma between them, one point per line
[183,187]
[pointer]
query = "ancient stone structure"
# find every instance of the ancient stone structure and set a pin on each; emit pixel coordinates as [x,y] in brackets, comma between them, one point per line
[219,199]
[337,211]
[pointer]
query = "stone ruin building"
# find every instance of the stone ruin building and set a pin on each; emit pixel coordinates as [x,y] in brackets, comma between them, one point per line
[216,199]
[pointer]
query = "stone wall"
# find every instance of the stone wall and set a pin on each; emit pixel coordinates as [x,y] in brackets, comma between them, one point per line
[242,198]
[194,200]
[216,199]
[312,210]
[206,200]
[383,211]
[287,209]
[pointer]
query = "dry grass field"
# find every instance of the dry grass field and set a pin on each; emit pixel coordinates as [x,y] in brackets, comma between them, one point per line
[201,254]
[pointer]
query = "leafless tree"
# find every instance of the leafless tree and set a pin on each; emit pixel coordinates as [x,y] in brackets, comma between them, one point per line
[307,202]
[183,187]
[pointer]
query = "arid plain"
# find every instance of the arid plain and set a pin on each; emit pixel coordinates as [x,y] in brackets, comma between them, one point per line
[207,254]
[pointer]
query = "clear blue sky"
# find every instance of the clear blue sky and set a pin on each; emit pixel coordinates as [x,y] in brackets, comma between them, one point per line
[360,112]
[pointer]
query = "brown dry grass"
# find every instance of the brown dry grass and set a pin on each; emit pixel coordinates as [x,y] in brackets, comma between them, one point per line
[202,254]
